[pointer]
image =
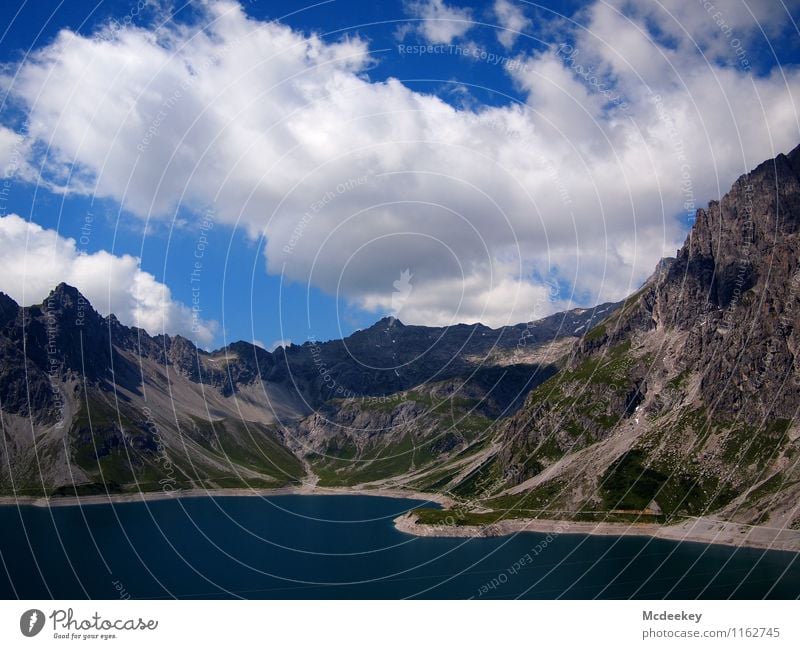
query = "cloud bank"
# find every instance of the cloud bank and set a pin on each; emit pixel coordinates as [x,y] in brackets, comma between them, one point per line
[628,123]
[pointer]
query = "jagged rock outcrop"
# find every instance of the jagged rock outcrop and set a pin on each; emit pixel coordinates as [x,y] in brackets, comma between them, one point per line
[733,291]
[692,387]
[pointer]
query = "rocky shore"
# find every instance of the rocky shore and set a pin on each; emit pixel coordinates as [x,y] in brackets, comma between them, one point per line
[698,530]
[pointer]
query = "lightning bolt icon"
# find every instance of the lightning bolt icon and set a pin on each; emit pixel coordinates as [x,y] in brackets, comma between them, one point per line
[32,621]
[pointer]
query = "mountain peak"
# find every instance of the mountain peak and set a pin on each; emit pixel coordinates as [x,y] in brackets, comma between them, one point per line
[69,302]
[64,290]
[389,321]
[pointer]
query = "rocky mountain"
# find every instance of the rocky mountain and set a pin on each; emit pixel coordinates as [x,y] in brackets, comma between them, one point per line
[88,401]
[684,401]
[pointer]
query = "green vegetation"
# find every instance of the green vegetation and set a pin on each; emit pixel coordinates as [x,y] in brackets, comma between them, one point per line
[481,482]
[586,401]
[595,333]
[448,428]
[517,507]
[374,463]
[771,485]
[630,303]
[609,370]
[456,517]
[679,382]
[88,489]
[436,480]
[255,446]
[748,445]
[630,483]
[124,447]
[110,445]
[234,482]
[620,517]
[543,498]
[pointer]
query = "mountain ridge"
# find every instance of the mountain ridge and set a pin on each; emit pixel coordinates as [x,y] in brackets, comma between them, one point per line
[102,400]
[678,404]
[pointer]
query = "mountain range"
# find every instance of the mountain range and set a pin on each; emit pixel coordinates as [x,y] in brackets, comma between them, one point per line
[678,402]
[91,404]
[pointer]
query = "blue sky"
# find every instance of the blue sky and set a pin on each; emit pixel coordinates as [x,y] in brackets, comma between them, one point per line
[529,177]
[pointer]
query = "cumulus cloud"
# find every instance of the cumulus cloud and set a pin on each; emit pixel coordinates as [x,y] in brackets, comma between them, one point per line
[35,260]
[501,300]
[352,182]
[717,29]
[14,156]
[513,21]
[9,145]
[440,23]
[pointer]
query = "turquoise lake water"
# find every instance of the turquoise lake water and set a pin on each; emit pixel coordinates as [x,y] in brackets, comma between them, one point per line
[347,547]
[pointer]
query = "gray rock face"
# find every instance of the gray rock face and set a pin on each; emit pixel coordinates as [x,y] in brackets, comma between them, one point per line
[733,291]
[694,381]
[742,266]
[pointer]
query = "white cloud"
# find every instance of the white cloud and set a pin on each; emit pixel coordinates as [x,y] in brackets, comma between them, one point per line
[35,260]
[440,23]
[502,300]
[513,21]
[283,342]
[14,153]
[9,145]
[352,181]
[709,26]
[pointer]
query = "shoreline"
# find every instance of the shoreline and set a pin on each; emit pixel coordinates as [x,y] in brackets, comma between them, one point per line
[700,530]
[146,496]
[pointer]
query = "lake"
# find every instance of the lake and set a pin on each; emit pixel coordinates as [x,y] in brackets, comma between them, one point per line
[293,547]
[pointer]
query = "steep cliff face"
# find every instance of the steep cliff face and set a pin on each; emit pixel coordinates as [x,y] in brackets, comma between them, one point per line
[743,263]
[685,398]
